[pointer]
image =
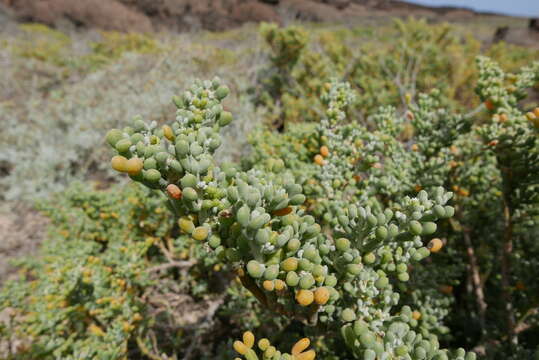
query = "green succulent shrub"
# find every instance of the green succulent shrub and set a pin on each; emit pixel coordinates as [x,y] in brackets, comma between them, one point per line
[336,237]
[385,67]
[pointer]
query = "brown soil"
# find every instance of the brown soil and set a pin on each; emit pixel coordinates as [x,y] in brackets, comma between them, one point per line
[21,233]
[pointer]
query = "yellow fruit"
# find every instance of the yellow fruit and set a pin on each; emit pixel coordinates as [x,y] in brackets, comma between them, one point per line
[134,166]
[435,245]
[416,315]
[279,285]
[415,147]
[248,339]
[324,151]
[308,355]
[268,285]
[290,264]
[321,296]
[240,347]
[300,346]
[174,191]
[119,163]
[305,297]
[319,160]
[263,344]
[167,132]
[200,233]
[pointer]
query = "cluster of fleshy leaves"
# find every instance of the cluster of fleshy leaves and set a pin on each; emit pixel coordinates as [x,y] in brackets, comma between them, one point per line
[338,271]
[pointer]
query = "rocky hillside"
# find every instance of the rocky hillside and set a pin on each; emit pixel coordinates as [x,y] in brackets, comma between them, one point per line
[181,15]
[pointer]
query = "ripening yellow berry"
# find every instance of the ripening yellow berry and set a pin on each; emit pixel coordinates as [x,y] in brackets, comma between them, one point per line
[200,233]
[308,355]
[240,347]
[416,315]
[119,163]
[321,296]
[415,147]
[435,245]
[174,191]
[248,339]
[168,133]
[305,297]
[319,160]
[290,264]
[263,344]
[279,285]
[134,166]
[503,118]
[268,285]
[463,192]
[324,151]
[300,346]
[536,112]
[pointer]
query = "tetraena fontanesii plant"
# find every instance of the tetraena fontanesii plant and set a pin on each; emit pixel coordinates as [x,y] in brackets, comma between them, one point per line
[340,272]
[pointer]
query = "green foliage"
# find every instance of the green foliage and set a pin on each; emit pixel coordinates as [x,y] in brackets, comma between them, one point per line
[387,68]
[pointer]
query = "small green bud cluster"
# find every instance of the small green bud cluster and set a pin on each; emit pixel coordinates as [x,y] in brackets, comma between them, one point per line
[400,340]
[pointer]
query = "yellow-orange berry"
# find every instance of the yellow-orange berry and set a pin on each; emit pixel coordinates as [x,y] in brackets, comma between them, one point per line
[319,160]
[174,191]
[321,296]
[119,163]
[268,285]
[416,315]
[415,147]
[279,285]
[305,297]
[263,344]
[463,192]
[168,133]
[200,233]
[536,111]
[489,105]
[248,339]
[503,118]
[308,355]
[324,151]
[435,245]
[134,166]
[290,264]
[240,347]
[300,346]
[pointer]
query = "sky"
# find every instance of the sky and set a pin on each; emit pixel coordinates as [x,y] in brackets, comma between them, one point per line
[525,8]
